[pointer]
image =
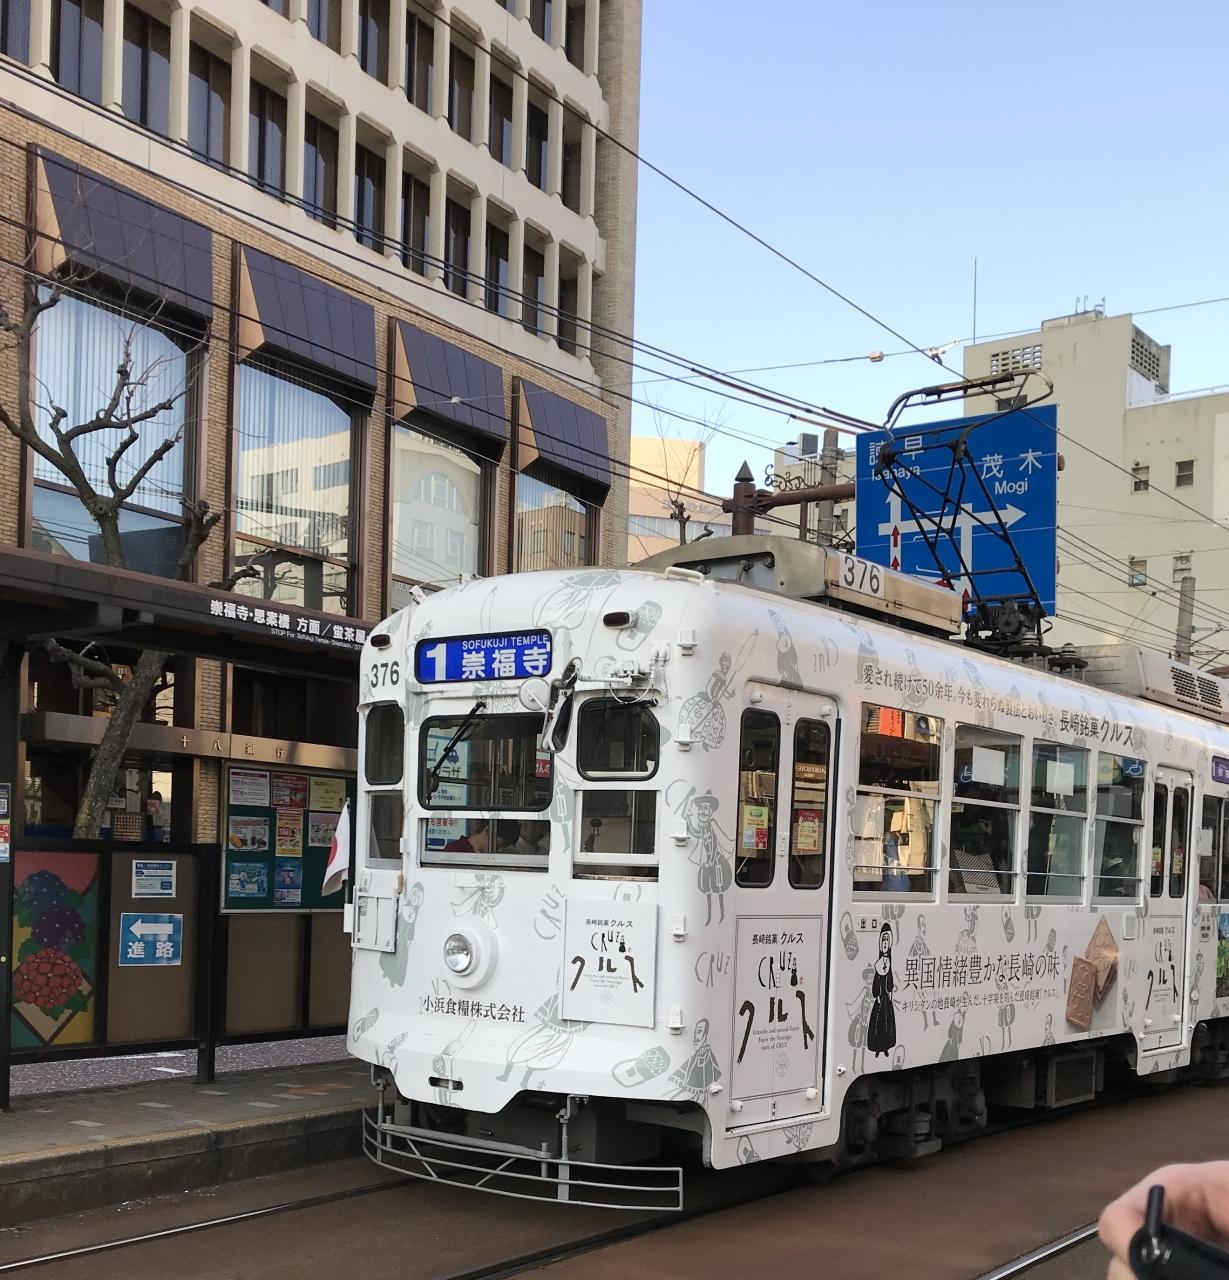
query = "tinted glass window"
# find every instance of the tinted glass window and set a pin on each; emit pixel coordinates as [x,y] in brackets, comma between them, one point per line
[987,765]
[759,751]
[1060,778]
[616,738]
[387,813]
[808,820]
[494,764]
[1120,787]
[385,744]
[899,749]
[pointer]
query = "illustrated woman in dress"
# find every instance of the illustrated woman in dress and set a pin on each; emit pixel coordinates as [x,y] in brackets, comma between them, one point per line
[715,874]
[694,1076]
[703,713]
[881,1029]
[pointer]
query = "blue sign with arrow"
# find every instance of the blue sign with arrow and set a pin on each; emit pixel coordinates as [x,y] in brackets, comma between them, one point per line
[1016,455]
[150,938]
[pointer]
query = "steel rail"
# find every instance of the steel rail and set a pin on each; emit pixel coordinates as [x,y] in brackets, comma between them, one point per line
[1027,1261]
[166,1233]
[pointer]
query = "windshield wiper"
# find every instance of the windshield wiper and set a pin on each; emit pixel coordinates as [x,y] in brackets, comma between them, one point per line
[433,778]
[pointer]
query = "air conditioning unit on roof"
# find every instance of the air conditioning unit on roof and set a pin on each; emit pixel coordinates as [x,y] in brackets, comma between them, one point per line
[1143,673]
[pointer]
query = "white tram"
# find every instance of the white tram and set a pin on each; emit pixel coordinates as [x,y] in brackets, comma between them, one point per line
[770,866]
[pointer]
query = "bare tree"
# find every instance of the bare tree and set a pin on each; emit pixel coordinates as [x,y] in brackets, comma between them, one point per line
[132,400]
[678,494]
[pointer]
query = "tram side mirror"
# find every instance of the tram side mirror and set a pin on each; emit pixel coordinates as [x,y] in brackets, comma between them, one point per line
[553,702]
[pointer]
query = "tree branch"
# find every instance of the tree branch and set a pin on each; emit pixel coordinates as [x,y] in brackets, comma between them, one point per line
[240,575]
[87,673]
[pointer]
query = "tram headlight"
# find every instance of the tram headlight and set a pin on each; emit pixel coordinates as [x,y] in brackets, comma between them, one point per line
[458,953]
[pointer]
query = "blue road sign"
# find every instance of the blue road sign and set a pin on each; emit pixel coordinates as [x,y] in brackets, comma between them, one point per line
[150,938]
[510,656]
[1016,453]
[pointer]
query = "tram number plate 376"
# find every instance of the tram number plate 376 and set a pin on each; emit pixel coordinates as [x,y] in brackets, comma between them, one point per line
[862,576]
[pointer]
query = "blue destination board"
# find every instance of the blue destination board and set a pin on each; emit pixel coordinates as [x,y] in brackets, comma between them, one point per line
[511,655]
[1016,454]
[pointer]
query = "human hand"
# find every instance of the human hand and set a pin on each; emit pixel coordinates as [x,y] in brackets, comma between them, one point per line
[1196,1201]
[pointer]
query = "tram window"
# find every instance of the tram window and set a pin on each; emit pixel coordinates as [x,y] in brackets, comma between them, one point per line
[494,764]
[1209,848]
[1179,829]
[1056,823]
[617,835]
[985,812]
[758,754]
[808,821]
[898,774]
[1120,811]
[1160,798]
[384,744]
[617,739]
[387,817]
[1224,855]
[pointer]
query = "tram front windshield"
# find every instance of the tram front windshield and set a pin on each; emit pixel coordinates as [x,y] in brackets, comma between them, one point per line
[491,764]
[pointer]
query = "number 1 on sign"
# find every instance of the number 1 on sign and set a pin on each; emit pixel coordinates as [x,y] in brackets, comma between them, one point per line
[862,576]
[436,656]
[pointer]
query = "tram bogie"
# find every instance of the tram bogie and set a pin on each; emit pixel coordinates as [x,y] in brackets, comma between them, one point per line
[649,860]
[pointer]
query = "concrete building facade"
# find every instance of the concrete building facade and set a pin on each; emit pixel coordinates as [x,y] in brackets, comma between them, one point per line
[1143,498]
[376,255]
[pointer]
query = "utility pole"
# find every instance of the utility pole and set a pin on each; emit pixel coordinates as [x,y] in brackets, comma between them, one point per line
[1186,619]
[825,523]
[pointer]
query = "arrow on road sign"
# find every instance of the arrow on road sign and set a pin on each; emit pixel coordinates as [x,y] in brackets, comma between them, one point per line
[147,929]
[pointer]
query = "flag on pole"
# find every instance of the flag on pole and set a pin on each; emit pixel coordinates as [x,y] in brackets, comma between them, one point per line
[338,870]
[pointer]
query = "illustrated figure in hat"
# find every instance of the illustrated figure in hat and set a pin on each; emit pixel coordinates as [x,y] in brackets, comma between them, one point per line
[700,1070]
[709,852]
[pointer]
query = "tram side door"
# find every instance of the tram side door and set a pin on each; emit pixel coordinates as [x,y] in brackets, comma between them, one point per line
[1167,882]
[780,898]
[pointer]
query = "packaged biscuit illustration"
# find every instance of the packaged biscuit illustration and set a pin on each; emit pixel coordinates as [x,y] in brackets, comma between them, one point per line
[1081,993]
[1102,953]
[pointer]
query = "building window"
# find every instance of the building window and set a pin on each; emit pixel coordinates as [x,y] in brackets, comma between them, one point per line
[500,140]
[297,539]
[415,222]
[759,749]
[1120,816]
[267,139]
[497,282]
[324,22]
[574,34]
[1182,566]
[1057,814]
[15,29]
[533,290]
[320,170]
[536,134]
[552,526]
[369,198]
[569,300]
[436,500]
[1184,474]
[461,94]
[570,193]
[331,474]
[147,71]
[456,246]
[208,106]
[1137,573]
[373,38]
[76,47]
[1139,479]
[80,343]
[985,812]
[419,62]
[540,18]
[894,815]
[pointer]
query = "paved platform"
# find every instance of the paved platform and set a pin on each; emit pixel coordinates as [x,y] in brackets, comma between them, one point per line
[64,1152]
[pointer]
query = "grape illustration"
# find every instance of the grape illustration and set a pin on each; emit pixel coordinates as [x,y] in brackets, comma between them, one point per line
[41,890]
[47,979]
[59,925]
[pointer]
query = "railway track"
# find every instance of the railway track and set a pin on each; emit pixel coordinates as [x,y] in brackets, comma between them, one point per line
[1046,1253]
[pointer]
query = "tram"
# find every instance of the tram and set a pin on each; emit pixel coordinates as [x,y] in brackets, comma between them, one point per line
[737,850]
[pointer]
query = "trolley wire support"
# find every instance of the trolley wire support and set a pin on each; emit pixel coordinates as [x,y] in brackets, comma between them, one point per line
[1005,622]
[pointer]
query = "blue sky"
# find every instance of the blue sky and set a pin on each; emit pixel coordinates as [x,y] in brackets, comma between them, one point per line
[1075,149]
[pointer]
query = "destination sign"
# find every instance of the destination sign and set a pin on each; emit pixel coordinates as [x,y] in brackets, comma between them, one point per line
[511,655]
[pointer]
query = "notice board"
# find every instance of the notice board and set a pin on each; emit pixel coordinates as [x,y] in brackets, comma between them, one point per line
[277,829]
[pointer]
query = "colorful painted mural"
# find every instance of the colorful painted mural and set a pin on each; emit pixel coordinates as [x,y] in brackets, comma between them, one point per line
[55,930]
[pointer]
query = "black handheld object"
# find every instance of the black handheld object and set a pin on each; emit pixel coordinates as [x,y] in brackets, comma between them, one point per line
[1160,1252]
